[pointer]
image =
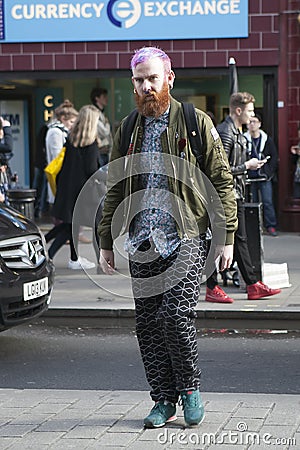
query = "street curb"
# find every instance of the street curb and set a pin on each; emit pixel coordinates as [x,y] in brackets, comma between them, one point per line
[125,318]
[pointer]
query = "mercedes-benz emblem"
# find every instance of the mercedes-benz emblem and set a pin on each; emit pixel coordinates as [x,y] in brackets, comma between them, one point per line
[30,255]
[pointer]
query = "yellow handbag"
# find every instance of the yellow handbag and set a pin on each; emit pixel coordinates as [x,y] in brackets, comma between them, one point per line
[53,169]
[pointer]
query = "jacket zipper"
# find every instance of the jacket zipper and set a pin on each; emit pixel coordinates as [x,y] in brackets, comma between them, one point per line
[185,236]
[126,213]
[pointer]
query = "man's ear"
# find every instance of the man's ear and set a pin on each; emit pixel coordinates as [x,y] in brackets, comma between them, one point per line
[238,111]
[171,78]
[134,90]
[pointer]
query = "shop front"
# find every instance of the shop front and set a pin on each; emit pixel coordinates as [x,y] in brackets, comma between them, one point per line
[48,63]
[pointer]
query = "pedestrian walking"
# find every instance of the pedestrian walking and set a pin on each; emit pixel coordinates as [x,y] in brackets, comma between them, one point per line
[166,221]
[58,130]
[241,111]
[80,163]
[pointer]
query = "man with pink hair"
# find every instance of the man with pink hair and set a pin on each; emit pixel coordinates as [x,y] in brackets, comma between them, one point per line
[166,221]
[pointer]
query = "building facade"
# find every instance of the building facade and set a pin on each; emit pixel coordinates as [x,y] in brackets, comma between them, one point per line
[42,74]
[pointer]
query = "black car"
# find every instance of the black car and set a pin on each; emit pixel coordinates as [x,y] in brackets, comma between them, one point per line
[26,273]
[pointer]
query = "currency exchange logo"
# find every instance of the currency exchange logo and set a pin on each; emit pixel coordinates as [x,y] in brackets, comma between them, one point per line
[124,13]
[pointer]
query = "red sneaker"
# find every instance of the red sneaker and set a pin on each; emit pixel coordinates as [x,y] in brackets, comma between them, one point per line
[272,231]
[260,290]
[217,295]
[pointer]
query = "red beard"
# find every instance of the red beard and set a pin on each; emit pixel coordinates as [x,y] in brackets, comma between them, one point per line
[153,104]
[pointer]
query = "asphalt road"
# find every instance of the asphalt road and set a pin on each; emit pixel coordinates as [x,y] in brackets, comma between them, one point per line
[39,356]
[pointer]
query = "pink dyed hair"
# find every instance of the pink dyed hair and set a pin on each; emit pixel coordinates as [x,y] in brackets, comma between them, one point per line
[145,53]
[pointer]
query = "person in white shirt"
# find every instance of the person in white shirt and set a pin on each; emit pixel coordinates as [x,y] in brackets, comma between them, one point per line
[65,116]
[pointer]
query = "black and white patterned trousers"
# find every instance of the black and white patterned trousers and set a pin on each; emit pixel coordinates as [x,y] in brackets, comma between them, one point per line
[166,292]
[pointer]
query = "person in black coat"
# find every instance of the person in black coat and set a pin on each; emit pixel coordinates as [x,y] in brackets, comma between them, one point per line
[80,163]
[6,147]
[262,146]
[241,112]
[39,180]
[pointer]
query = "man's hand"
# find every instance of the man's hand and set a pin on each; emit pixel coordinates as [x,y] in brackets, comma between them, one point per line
[107,261]
[254,163]
[226,255]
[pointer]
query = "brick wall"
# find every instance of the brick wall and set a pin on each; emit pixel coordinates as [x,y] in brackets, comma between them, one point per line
[293,63]
[260,49]
[288,113]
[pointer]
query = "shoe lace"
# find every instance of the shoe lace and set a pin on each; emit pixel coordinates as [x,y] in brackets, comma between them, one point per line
[188,400]
[219,292]
[159,407]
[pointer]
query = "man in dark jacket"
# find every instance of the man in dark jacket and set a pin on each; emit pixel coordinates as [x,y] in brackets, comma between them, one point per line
[262,146]
[6,141]
[236,147]
[6,147]
[157,189]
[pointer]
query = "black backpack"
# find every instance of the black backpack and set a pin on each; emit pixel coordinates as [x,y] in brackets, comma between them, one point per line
[191,125]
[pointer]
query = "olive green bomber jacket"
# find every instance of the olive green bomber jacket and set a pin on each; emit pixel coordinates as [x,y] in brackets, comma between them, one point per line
[192,191]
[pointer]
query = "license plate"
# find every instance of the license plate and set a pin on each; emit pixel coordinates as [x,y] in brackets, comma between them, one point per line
[35,289]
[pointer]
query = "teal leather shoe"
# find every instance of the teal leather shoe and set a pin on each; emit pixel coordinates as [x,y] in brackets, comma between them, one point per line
[162,412]
[192,407]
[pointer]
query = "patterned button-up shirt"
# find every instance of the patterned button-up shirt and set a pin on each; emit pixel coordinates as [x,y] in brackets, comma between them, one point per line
[155,221]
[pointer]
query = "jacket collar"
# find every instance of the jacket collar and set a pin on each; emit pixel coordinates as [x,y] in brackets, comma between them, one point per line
[231,123]
[263,141]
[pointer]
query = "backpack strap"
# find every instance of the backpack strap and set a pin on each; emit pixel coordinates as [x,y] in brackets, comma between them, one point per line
[127,131]
[193,131]
[191,125]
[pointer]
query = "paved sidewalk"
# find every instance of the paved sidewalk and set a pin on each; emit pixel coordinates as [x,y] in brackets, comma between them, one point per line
[68,419]
[109,298]
[60,419]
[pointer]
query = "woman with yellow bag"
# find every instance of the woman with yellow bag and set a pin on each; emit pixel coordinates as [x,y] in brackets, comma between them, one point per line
[58,130]
[80,162]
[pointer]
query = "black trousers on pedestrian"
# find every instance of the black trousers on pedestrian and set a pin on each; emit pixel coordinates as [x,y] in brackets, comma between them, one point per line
[62,233]
[166,292]
[241,251]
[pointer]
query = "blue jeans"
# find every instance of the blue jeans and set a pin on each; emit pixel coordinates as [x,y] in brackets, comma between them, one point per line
[263,191]
[103,159]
